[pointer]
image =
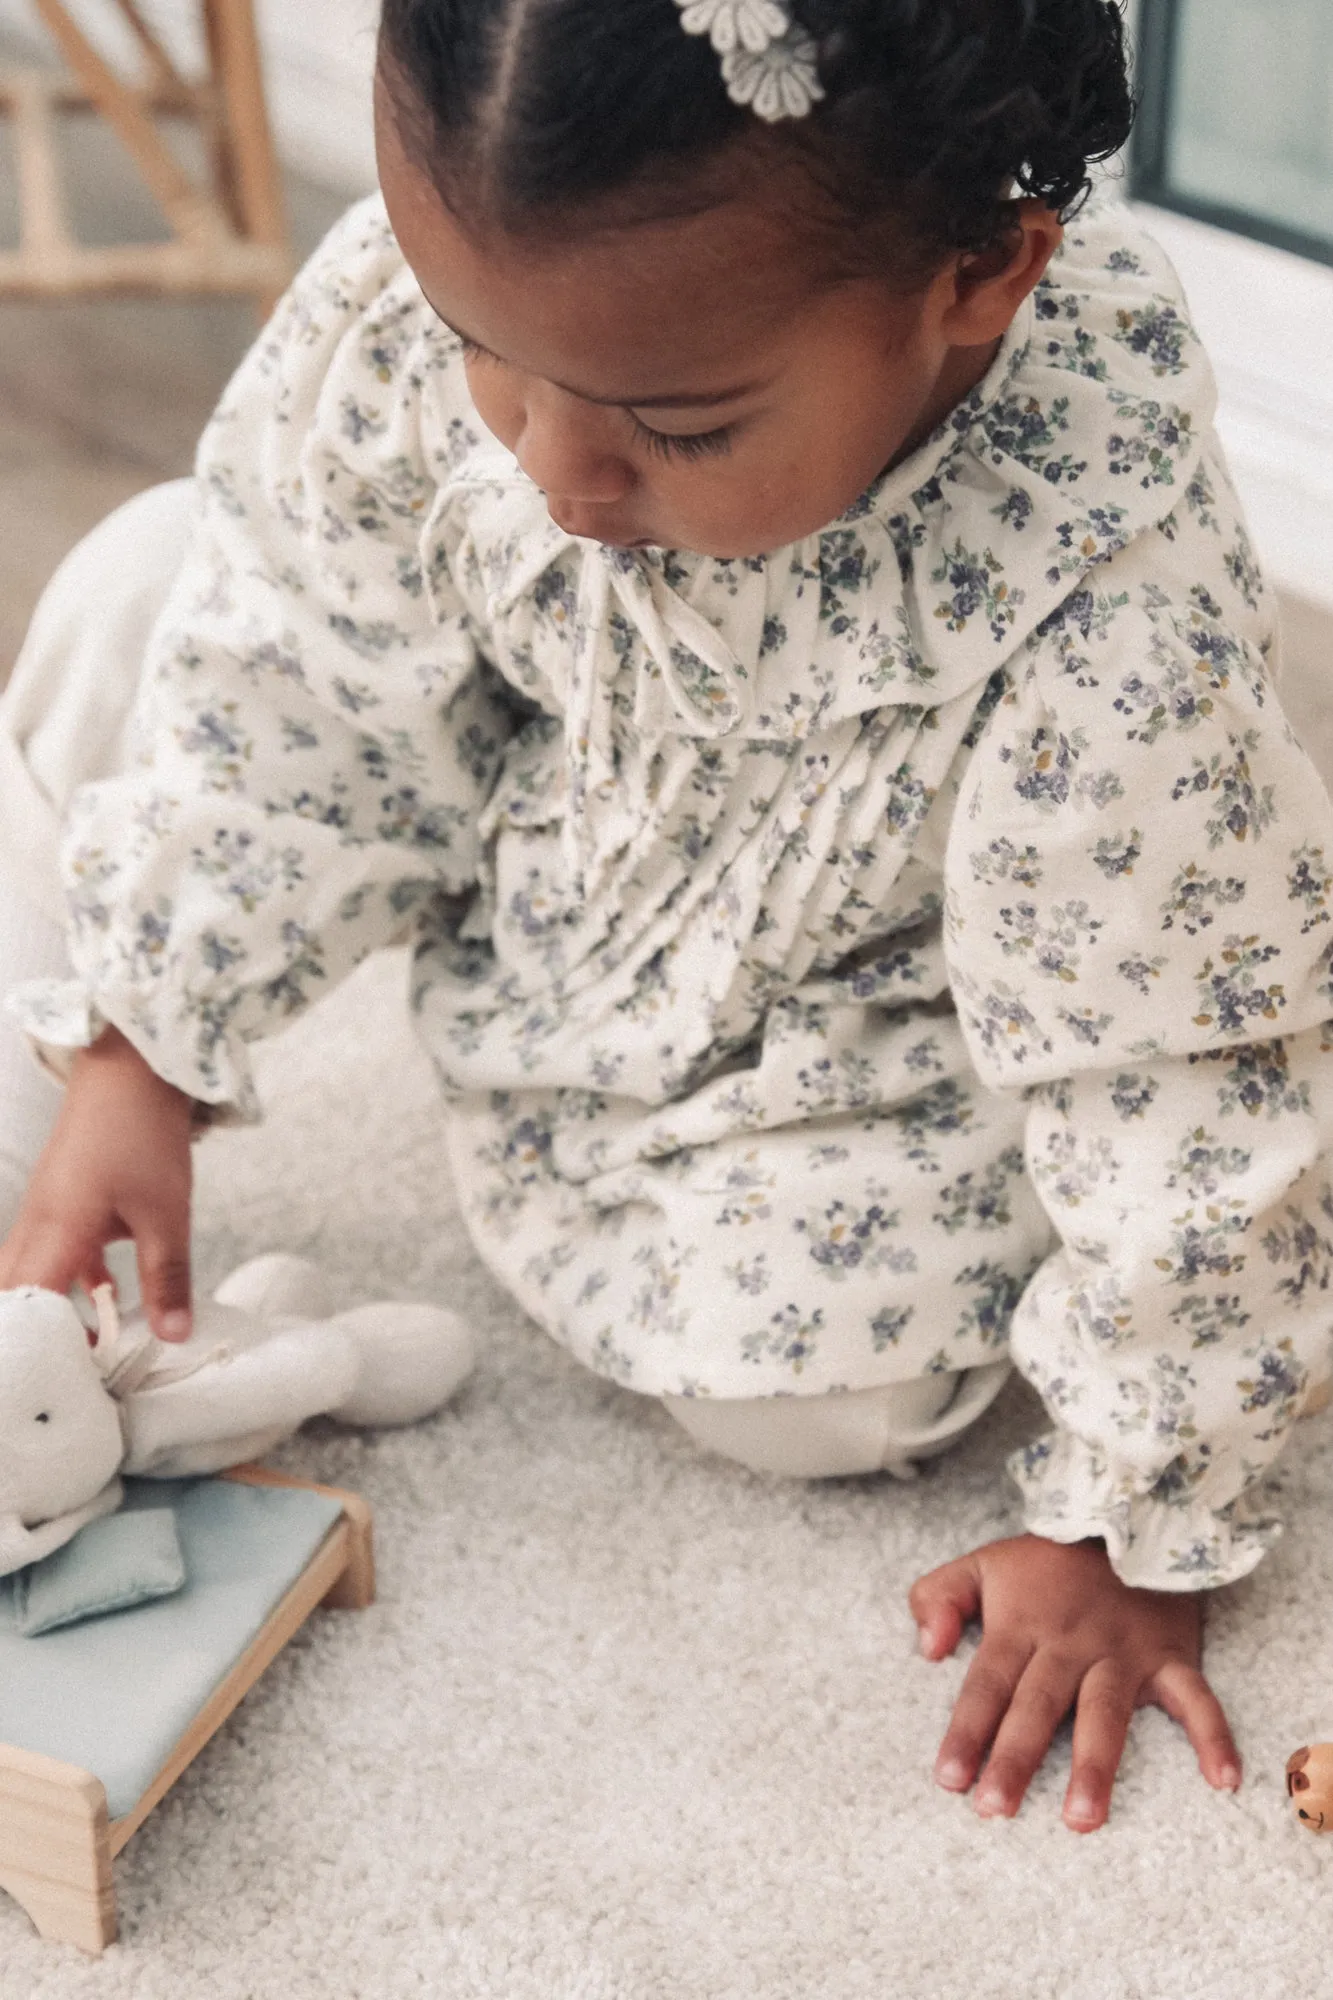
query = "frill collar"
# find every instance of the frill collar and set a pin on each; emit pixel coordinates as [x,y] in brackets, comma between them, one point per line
[1084,433]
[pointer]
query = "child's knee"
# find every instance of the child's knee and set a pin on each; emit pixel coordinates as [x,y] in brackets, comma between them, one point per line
[845,1435]
[65,713]
[32,946]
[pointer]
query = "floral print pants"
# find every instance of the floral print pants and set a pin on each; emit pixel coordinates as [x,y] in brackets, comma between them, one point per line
[910,1232]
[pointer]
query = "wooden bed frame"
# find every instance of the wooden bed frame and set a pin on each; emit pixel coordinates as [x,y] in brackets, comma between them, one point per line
[228,233]
[56,1841]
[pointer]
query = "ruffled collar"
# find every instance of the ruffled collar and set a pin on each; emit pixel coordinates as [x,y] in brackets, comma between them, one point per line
[1083,434]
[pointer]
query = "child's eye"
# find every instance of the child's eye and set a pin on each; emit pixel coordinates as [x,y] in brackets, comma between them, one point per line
[701,444]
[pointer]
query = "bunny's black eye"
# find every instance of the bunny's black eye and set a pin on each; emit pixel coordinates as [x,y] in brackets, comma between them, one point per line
[43,1416]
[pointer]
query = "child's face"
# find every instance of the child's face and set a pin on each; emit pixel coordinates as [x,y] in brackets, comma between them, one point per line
[682,383]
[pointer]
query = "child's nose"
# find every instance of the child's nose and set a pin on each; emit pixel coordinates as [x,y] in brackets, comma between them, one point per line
[564,448]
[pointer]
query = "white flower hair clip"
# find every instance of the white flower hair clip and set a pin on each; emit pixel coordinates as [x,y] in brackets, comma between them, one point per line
[767,61]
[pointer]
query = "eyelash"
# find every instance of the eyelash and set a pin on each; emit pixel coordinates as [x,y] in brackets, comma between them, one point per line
[662,444]
[702,444]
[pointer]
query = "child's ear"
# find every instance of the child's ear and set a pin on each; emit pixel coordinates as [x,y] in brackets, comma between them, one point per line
[987,287]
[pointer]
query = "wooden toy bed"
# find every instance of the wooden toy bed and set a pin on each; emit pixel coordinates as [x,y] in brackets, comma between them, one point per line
[57,1840]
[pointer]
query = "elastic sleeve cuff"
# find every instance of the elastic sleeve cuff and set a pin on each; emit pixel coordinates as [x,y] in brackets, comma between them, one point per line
[59,1017]
[1160,1539]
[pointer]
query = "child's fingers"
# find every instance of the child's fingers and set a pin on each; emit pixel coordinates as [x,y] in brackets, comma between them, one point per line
[1187,1698]
[162,1247]
[52,1254]
[1039,1704]
[1101,1724]
[979,1711]
[942,1603]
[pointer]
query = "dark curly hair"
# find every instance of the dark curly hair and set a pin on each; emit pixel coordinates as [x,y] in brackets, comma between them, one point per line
[935,113]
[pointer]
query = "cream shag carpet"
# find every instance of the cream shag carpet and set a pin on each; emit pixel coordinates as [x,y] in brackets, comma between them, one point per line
[630,1724]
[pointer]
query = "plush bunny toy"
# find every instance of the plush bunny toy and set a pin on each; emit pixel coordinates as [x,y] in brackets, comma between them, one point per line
[266,1353]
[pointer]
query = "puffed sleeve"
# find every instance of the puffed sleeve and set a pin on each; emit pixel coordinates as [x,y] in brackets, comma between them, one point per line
[1138,933]
[318,730]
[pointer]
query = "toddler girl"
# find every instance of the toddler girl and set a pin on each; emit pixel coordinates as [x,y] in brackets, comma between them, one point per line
[760,609]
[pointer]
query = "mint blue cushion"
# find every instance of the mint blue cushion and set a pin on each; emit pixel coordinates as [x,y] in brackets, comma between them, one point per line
[122,1560]
[115,1694]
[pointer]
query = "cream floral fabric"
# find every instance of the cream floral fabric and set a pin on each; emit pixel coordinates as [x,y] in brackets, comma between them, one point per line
[841,964]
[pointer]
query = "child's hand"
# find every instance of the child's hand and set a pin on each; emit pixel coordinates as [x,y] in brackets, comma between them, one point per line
[1060,1631]
[116,1165]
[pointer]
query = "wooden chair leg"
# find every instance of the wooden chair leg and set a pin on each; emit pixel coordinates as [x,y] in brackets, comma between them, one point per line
[55,1853]
[189,212]
[251,183]
[215,126]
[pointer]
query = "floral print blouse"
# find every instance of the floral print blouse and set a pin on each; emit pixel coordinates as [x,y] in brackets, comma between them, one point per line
[996,754]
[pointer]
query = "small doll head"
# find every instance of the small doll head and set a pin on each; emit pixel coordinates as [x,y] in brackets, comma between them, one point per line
[716,264]
[1310,1786]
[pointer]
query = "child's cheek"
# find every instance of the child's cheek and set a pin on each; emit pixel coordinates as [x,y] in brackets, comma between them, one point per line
[496,402]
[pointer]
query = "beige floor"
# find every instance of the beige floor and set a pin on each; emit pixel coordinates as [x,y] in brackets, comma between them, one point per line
[100,399]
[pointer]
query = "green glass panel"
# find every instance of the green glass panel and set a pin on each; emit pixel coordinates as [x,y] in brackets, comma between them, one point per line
[1252,111]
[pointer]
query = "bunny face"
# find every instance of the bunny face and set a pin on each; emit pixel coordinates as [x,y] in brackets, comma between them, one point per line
[60,1435]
